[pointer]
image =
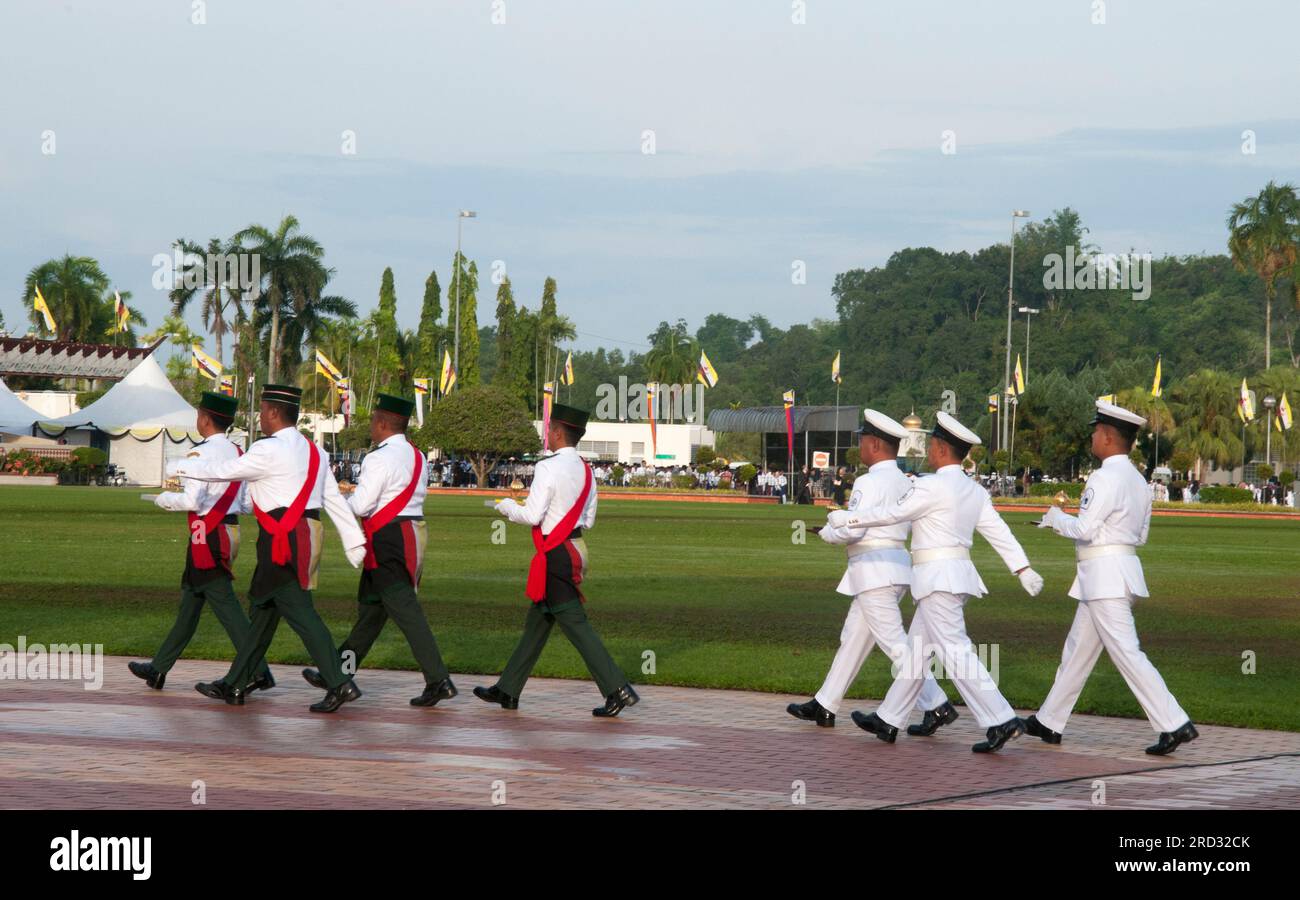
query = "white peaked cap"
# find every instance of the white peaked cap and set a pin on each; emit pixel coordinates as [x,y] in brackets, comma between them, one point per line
[1117,415]
[945,422]
[878,421]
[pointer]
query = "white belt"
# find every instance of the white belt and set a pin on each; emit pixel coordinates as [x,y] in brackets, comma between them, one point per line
[1095,550]
[875,544]
[937,553]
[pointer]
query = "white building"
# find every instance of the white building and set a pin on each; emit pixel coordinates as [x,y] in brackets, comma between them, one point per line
[630,442]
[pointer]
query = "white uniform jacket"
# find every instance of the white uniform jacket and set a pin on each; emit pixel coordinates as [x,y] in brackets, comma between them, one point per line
[200,496]
[946,509]
[1114,512]
[557,484]
[871,565]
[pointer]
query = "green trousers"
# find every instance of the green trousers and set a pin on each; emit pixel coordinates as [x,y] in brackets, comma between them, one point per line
[219,594]
[400,604]
[296,607]
[572,619]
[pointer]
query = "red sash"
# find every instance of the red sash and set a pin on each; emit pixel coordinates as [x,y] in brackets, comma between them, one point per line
[378,520]
[200,552]
[536,588]
[281,530]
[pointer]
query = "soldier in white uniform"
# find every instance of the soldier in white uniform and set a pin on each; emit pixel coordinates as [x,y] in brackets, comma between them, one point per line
[289,481]
[878,575]
[946,509]
[213,509]
[1114,516]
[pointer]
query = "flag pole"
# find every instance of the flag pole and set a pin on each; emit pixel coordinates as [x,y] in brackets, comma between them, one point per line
[835,459]
[1011,442]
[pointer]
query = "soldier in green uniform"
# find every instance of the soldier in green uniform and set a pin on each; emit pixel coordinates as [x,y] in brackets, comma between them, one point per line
[389,499]
[213,509]
[561,504]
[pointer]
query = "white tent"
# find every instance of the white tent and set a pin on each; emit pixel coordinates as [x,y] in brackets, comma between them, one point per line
[16,417]
[142,414]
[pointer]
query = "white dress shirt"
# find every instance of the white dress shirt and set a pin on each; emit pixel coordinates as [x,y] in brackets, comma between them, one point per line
[946,509]
[200,496]
[882,485]
[385,473]
[557,484]
[1115,509]
[274,468]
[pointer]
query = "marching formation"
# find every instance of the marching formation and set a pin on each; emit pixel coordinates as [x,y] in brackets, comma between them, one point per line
[285,483]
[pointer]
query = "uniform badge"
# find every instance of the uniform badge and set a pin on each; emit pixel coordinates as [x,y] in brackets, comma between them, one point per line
[1085,499]
[855,500]
[903,499]
[193,454]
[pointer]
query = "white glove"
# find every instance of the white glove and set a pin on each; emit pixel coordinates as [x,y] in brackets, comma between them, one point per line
[356,555]
[837,517]
[172,468]
[1031,581]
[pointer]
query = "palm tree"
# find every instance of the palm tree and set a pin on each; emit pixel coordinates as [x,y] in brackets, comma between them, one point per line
[291,272]
[218,296]
[673,359]
[74,287]
[1205,405]
[306,310]
[1263,237]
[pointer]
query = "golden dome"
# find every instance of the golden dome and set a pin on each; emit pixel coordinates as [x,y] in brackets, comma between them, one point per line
[912,422]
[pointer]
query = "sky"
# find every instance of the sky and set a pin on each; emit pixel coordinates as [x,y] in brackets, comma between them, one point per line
[778,145]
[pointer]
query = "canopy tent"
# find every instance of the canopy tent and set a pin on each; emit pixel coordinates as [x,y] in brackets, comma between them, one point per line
[16,417]
[141,413]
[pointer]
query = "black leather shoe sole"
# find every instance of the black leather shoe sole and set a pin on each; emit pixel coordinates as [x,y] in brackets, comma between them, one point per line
[1037,729]
[505,701]
[934,720]
[824,721]
[999,739]
[148,674]
[445,691]
[312,677]
[1187,733]
[877,726]
[335,699]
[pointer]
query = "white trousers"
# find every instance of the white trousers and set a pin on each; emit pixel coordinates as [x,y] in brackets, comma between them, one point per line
[1108,623]
[939,629]
[874,618]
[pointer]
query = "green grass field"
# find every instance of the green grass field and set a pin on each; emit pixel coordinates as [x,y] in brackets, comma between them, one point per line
[718,592]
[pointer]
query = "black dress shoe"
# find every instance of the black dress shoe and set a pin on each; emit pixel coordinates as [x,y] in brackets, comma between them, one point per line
[496,695]
[442,690]
[262,683]
[344,693]
[219,690]
[933,720]
[615,702]
[999,735]
[1039,730]
[1171,739]
[876,725]
[151,676]
[812,711]
[314,679]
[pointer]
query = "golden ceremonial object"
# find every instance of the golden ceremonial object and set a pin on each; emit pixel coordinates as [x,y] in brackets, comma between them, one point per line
[1061,499]
[173,484]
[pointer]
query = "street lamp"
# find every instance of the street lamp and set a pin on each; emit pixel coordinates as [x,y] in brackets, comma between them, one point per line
[461,214]
[1011,271]
[1269,402]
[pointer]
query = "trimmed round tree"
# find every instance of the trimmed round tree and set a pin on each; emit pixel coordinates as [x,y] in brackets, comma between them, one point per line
[481,423]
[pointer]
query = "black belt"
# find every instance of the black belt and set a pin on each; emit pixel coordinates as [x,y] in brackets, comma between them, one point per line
[230,519]
[279,511]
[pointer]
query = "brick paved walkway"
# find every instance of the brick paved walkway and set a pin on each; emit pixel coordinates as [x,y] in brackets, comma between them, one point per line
[126,746]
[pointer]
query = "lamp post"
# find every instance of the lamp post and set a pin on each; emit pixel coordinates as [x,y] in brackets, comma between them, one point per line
[460,215]
[1011,271]
[1029,317]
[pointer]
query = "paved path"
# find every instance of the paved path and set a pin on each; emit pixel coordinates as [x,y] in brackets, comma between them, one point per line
[125,746]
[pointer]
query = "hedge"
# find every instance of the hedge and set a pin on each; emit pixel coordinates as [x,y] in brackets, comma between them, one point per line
[1073,489]
[1222,493]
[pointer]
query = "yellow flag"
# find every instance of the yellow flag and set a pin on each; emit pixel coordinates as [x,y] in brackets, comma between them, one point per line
[421,386]
[706,374]
[120,312]
[1020,377]
[43,308]
[327,368]
[1155,385]
[835,368]
[1284,413]
[448,379]
[993,403]
[206,364]
[566,377]
[1247,403]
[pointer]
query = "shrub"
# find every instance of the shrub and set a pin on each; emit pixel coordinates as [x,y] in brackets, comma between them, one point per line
[1222,493]
[746,473]
[91,458]
[1264,471]
[23,462]
[684,482]
[616,474]
[1073,489]
[1287,478]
